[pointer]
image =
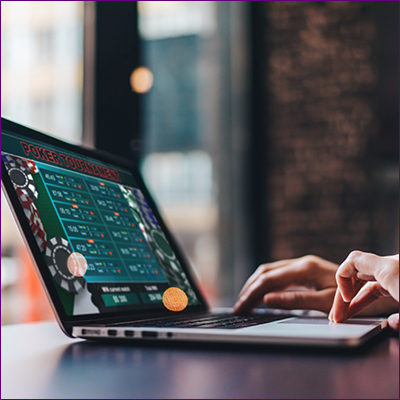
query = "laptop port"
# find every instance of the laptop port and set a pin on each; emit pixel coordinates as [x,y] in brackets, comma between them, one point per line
[129,333]
[90,331]
[112,332]
[149,334]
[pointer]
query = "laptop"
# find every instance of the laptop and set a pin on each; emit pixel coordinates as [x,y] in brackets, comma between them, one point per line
[109,265]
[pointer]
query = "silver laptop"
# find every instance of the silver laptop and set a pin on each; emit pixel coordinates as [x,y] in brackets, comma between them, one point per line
[110,266]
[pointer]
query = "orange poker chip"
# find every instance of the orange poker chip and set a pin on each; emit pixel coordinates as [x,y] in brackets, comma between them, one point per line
[175,299]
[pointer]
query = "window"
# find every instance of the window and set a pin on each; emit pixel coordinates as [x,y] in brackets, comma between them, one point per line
[188,118]
[42,64]
[41,86]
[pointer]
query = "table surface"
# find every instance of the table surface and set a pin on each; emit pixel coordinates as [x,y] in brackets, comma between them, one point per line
[39,361]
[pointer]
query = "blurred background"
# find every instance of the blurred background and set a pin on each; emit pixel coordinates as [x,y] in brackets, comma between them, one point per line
[265,130]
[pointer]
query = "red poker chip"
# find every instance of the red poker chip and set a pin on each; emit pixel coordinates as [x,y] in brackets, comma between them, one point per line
[40,236]
[38,229]
[26,203]
[36,217]
[28,164]
[33,216]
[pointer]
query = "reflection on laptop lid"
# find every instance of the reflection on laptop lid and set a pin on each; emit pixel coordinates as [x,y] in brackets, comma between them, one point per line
[104,254]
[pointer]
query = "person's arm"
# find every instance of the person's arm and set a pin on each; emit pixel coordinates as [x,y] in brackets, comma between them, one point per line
[312,285]
[362,279]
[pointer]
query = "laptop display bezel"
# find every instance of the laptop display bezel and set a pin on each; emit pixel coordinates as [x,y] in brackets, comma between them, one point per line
[66,321]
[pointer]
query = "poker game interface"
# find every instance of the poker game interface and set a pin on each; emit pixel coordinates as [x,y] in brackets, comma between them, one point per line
[99,238]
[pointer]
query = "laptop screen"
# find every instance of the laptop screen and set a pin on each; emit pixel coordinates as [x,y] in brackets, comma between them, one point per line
[95,229]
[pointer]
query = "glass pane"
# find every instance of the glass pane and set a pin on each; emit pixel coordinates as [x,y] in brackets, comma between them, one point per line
[179,123]
[41,86]
[41,65]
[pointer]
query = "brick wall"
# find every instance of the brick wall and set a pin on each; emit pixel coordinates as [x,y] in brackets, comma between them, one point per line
[322,126]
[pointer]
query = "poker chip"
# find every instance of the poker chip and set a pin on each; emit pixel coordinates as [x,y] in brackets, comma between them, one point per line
[40,236]
[22,178]
[57,252]
[33,216]
[38,228]
[26,203]
[7,158]
[28,164]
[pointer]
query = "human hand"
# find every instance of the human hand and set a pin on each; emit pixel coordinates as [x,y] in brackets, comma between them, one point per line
[363,278]
[269,281]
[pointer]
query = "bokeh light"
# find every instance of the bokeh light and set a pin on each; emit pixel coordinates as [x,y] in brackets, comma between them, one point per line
[141,80]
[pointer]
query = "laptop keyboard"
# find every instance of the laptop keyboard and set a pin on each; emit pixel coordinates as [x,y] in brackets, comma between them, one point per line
[224,321]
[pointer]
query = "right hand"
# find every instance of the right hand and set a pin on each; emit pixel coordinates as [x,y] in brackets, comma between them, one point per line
[362,279]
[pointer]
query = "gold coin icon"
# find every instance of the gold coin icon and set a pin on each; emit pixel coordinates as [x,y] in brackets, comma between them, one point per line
[77,264]
[175,299]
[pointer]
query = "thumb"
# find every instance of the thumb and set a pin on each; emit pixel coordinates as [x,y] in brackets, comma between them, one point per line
[320,300]
[393,321]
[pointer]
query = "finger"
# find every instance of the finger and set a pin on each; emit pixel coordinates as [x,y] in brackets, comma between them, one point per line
[356,262]
[339,311]
[393,321]
[314,271]
[346,288]
[369,293]
[275,279]
[367,267]
[339,308]
[250,299]
[261,270]
[320,300]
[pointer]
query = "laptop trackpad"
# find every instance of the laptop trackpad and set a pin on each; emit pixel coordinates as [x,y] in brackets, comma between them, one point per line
[312,328]
[325,321]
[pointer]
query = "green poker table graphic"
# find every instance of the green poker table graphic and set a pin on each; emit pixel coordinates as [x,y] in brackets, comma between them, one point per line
[159,244]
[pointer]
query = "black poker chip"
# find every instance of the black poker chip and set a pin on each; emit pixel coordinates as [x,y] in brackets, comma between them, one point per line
[57,252]
[22,178]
